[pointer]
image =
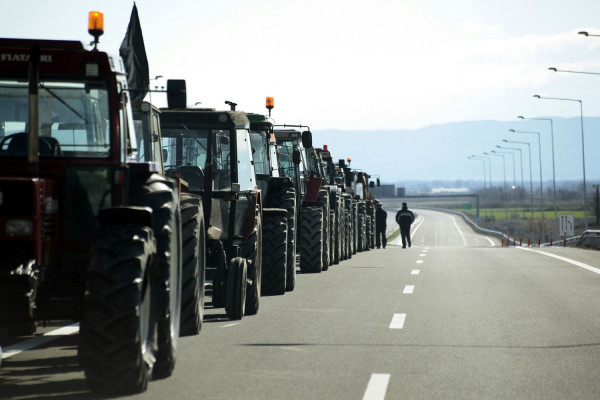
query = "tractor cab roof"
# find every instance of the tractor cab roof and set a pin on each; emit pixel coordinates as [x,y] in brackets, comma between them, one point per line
[207,119]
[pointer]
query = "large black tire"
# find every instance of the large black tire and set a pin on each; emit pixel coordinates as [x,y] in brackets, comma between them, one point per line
[349,226]
[253,257]
[361,232]
[118,330]
[323,198]
[235,294]
[337,237]
[354,227]
[286,199]
[343,232]
[194,264]
[367,232]
[311,239]
[333,259]
[373,229]
[160,194]
[274,256]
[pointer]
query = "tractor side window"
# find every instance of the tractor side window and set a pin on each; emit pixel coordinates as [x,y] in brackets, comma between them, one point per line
[246,177]
[259,152]
[285,159]
[221,159]
[274,157]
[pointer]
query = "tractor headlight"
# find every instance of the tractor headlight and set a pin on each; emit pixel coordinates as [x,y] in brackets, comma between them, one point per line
[19,227]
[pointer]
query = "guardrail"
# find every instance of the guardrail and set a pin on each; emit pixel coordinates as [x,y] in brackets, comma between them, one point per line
[588,239]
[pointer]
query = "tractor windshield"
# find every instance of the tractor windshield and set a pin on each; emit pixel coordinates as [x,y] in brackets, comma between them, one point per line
[73,119]
[186,150]
[286,150]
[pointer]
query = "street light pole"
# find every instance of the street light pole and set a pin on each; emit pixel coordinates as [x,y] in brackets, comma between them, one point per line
[530,175]
[504,170]
[482,160]
[582,151]
[541,179]
[521,161]
[491,190]
[553,169]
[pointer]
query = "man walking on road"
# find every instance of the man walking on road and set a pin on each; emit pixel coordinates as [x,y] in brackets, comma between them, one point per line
[405,218]
[380,224]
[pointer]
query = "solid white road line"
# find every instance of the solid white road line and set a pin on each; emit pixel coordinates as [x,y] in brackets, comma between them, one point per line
[377,387]
[408,289]
[398,321]
[462,235]
[39,340]
[415,272]
[565,259]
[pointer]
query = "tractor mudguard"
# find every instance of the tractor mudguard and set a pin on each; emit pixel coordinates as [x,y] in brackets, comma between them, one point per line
[313,186]
[126,215]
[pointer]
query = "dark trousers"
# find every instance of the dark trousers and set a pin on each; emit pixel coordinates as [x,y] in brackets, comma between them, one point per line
[380,238]
[405,232]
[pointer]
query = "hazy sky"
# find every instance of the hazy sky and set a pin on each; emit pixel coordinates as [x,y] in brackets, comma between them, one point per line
[346,64]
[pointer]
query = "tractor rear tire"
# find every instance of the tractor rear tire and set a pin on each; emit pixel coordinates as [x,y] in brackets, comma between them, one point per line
[323,198]
[194,264]
[254,267]
[160,194]
[274,255]
[335,238]
[235,297]
[311,240]
[118,330]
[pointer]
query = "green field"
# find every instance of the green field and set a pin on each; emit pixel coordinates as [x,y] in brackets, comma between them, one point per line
[514,213]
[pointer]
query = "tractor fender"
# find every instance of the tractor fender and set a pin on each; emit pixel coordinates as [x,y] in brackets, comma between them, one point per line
[126,215]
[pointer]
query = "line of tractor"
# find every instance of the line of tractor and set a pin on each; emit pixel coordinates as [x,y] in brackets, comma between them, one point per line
[123,216]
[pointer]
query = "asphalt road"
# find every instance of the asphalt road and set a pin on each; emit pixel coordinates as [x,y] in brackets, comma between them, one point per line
[455,316]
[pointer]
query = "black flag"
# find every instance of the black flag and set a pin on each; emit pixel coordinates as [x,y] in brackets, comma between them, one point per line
[133,53]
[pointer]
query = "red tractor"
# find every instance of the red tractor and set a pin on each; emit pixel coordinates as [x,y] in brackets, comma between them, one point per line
[87,231]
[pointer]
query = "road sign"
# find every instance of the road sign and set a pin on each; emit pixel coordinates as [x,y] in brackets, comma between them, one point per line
[566,224]
[467,206]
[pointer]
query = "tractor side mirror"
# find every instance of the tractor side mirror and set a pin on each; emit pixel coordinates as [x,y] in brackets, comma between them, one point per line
[378,182]
[296,157]
[307,139]
[371,184]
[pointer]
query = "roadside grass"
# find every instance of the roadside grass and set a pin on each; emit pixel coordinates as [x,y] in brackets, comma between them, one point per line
[393,235]
[500,214]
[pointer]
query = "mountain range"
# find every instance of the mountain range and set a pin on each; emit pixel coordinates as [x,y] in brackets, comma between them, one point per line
[439,152]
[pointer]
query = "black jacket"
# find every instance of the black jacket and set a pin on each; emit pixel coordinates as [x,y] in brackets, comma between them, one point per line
[405,217]
[380,218]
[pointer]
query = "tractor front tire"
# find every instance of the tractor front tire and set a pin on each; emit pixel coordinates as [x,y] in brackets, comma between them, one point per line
[118,331]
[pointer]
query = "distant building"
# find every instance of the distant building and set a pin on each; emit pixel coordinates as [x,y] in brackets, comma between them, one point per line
[383,191]
[444,190]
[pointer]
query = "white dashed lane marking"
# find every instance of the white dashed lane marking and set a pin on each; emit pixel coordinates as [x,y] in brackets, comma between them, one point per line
[415,272]
[29,344]
[398,321]
[408,289]
[377,387]
[419,261]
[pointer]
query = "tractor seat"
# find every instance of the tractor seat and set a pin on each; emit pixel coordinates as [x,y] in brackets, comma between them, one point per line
[17,144]
[193,175]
